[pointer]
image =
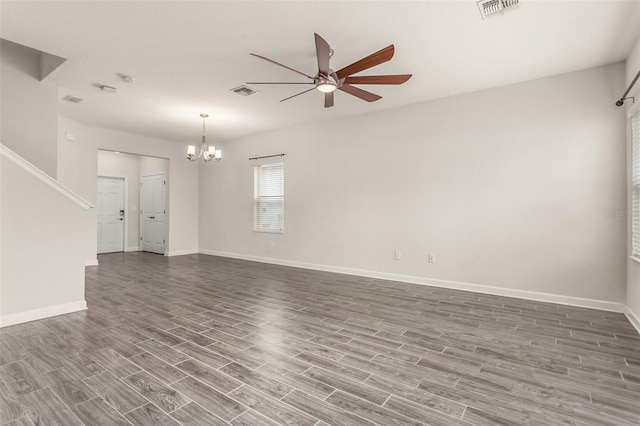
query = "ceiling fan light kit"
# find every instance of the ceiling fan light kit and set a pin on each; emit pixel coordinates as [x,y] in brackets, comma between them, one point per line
[327,86]
[207,153]
[328,81]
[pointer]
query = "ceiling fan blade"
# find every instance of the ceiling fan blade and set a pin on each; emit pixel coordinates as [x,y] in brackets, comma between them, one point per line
[322,52]
[372,60]
[328,100]
[284,66]
[378,79]
[270,82]
[359,93]
[298,94]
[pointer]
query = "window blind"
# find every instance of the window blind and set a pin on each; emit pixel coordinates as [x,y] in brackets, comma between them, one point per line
[268,206]
[635,183]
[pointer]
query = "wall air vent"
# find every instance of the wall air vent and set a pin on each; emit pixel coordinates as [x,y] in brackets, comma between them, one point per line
[244,91]
[72,99]
[489,8]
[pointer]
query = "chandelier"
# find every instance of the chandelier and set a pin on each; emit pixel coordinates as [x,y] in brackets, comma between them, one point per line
[207,153]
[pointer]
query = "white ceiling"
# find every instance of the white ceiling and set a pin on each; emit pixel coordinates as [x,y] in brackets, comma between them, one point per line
[186,56]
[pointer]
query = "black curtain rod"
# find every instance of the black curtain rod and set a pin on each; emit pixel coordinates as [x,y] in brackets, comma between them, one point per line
[620,101]
[266,156]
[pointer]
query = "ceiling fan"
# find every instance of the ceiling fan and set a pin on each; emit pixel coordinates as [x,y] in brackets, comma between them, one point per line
[328,81]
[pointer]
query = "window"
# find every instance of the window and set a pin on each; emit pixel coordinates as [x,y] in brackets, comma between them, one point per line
[268,200]
[635,184]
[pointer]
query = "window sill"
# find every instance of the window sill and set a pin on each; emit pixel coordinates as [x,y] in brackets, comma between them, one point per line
[635,258]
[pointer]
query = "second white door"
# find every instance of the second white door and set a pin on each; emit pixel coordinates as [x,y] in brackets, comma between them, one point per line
[152,213]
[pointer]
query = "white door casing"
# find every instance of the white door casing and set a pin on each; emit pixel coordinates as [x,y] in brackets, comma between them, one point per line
[152,213]
[110,211]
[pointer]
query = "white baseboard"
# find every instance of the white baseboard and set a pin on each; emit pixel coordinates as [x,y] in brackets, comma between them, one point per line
[181,252]
[456,285]
[93,262]
[132,249]
[36,314]
[633,318]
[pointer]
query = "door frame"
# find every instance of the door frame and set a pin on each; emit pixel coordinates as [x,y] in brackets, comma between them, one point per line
[166,209]
[125,234]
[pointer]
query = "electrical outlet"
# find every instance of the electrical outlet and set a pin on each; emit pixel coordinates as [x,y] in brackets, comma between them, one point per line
[432,258]
[273,243]
[397,255]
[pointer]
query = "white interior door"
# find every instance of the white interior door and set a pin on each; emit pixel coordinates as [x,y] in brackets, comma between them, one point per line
[152,213]
[110,209]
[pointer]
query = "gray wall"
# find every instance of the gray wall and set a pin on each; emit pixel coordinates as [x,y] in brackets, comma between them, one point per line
[42,266]
[508,187]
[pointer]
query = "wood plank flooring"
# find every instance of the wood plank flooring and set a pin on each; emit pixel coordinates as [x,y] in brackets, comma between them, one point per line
[202,340]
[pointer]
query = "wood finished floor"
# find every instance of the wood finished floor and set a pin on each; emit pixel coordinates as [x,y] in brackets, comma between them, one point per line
[201,340]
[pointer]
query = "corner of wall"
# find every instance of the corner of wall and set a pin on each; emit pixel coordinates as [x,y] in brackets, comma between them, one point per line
[633,318]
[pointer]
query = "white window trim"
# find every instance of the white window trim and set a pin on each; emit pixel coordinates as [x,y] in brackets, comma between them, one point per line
[635,184]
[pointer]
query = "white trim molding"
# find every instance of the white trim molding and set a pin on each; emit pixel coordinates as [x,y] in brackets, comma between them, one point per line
[128,249]
[92,262]
[43,177]
[454,285]
[180,252]
[36,314]
[633,319]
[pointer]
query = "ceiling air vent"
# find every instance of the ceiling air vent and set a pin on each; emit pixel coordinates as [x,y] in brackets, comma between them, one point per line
[244,91]
[489,8]
[72,99]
